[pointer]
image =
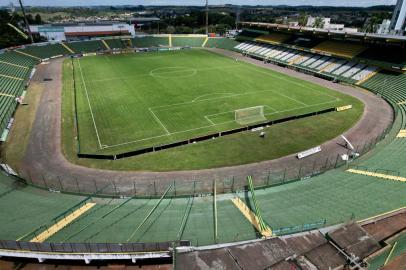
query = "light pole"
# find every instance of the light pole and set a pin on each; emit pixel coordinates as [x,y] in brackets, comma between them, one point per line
[207,17]
[26,21]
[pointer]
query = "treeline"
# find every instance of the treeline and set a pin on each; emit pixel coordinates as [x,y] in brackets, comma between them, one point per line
[10,37]
[192,22]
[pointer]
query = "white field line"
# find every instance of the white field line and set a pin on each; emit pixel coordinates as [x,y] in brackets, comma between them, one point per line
[166,72]
[208,119]
[212,94]
[159,121]
[296,83]
[277,112]
[181,69]
[229,96]
[160,136]
[295,100]
[209,115]
[202,100]
[227,122]
[212,123]
[90,106]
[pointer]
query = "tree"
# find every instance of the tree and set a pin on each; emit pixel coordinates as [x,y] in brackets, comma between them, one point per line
[318,23]
[183,30]
[9,37]
[170,29]
[371,24]
[303,19]
[38,19]
[227,20]
[30,18]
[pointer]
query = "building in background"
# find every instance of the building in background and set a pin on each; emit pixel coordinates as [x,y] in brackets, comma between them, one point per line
[398,22]
[82,31]
[384,27]
[325,23]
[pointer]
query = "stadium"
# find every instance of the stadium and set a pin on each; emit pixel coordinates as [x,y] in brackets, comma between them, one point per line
[203,152]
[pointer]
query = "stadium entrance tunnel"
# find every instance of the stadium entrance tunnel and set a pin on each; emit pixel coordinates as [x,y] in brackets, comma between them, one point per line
[173,72]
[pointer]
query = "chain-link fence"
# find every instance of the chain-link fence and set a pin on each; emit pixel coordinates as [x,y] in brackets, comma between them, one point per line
[127,186]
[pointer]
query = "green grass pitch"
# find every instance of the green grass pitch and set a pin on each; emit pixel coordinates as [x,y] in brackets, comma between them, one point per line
[127,102]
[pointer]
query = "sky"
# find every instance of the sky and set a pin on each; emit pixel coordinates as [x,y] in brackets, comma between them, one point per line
[358,3]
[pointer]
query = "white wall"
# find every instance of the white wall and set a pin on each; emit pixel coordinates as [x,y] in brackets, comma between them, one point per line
[59,34]
[101,28]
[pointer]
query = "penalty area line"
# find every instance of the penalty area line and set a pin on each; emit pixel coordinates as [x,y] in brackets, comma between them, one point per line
[211,122]
[159,121]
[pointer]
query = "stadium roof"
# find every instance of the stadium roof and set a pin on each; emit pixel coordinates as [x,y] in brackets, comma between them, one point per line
[391,38]
[97,23]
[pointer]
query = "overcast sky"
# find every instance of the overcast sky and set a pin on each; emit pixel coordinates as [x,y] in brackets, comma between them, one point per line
[361,3]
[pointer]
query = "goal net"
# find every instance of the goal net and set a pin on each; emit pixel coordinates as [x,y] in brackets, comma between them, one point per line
[250,115]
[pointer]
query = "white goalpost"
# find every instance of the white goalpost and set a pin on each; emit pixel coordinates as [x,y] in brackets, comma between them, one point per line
[250,115]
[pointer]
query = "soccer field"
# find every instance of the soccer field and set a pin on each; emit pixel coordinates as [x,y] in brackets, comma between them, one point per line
[127,102]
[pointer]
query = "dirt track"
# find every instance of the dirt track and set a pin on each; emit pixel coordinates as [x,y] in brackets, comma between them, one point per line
[44,160]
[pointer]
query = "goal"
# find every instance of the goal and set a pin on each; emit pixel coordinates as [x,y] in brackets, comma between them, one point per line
[250,115]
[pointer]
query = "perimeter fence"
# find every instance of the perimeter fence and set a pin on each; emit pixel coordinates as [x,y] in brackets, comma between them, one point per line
[128,185]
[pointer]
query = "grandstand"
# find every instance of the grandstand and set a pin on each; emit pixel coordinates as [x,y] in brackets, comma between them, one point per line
[384,57]
[46,51]
[346,50]
[339,195]
[340,69]
[191,41]
[154,41]
[249,34]
[275,38]
[115,43]
[15,69]
[222,43]
[87,46]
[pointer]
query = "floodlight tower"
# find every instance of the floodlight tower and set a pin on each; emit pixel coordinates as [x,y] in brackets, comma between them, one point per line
[26,21]
[399,17]
[207,17]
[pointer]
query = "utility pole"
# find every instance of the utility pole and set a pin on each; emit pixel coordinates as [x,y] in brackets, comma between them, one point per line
[207,17]
[26,21]
[237,17]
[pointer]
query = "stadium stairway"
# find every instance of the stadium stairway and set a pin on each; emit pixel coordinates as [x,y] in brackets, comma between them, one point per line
[115,43]
[105,44]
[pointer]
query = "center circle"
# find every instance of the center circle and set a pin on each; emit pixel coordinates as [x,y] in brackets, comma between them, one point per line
[173,72]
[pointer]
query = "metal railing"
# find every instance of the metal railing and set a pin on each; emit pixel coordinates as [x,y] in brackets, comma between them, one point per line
[90,247]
